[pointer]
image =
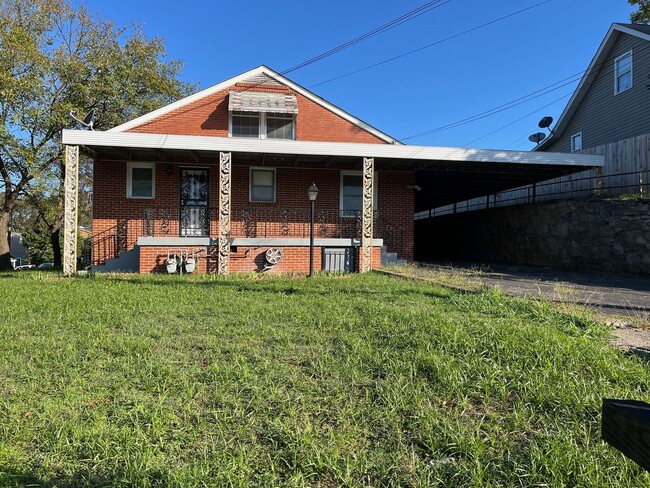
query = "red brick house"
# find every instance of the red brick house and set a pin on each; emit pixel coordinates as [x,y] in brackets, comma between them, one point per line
[223,175]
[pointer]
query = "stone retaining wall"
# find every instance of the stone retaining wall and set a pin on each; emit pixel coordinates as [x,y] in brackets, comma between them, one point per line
[596,235]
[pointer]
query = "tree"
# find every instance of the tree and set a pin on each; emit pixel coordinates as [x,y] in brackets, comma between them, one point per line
[642,15]
[54,58]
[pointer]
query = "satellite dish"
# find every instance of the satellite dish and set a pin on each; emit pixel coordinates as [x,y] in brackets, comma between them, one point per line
[537,137]
[88,121]
[546,122]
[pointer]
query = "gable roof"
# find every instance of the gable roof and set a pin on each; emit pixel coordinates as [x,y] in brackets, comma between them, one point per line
[259,75]
[636,30]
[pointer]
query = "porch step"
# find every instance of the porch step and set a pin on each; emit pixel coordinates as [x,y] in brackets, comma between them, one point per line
[126,262]
[390,257]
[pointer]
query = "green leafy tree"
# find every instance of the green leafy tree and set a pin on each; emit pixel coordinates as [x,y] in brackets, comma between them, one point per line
[55,57]
[642,15]
[39,247]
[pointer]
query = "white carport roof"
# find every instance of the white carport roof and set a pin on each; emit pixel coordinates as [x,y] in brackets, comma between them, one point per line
[446,174]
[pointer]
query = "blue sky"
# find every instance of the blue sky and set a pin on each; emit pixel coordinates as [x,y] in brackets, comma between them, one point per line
[417,93]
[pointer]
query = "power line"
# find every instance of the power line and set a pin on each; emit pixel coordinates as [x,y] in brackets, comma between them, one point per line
[430,45]
[526,98]
[427,7]
[519,119]
[500,108]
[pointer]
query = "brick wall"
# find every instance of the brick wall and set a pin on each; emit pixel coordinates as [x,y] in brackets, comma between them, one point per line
[244,260]
[209,117]
[111,207]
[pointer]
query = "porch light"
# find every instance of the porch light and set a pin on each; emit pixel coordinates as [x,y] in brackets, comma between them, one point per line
[312,193]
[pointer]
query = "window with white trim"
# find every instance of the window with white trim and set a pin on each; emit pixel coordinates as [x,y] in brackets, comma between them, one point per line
[140,180]
[623,73]
[576,142]
[352,192]
[262,185]
[262,125]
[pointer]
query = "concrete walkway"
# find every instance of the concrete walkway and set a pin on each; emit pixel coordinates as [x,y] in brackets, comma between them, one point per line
[623,301]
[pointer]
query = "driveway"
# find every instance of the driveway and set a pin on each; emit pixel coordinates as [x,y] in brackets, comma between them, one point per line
[623,301]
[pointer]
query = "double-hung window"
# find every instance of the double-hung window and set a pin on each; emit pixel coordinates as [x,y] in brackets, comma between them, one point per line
[262,115]
[245,124]
[623,73]
[262,185]
[352,193]
[140,180]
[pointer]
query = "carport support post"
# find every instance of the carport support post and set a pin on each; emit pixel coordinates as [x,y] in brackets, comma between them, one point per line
[367,214]
[70,210]
[225,172]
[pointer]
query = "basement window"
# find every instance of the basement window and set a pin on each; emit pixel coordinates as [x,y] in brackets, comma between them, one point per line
[140,180]
[623,73]
[576,142]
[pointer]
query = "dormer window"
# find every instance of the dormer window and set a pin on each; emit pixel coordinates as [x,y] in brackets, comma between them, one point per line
[623,73]
[262,115]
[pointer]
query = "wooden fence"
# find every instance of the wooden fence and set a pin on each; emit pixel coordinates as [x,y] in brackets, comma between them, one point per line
[626,170]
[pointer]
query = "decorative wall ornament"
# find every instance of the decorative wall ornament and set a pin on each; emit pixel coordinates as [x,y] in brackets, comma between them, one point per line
[71,209]
[248,224]
[284,223]
[367,214]
[322,223]
[164,221]
[149,222]
[225,173]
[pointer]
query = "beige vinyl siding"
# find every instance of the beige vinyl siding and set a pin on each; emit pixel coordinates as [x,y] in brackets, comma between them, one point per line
[603,117]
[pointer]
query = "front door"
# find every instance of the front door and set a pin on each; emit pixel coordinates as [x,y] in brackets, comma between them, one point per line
[195,215]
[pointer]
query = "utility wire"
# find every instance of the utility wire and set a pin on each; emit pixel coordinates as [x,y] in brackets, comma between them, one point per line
[379,30]
[530,96]
[518,120]
[430,45]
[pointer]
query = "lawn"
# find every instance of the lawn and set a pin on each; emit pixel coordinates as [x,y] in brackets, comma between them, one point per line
[334,381]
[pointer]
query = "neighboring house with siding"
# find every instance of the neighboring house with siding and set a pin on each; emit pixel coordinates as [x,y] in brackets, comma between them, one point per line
[608,115]
[223,175]
[612,101]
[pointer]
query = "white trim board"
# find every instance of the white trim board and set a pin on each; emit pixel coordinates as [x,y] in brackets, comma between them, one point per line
[92,139]
[242,77]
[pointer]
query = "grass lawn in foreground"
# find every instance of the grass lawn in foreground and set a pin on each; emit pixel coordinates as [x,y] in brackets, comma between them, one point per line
[362,380]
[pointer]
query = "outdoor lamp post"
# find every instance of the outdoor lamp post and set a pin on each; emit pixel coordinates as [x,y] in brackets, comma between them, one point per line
[312,193]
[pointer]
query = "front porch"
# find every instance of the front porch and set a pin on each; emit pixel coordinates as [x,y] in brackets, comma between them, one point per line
[138,182]
[162,229]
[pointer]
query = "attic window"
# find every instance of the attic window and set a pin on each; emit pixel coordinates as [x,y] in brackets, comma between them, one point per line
[623,73]
[262,115]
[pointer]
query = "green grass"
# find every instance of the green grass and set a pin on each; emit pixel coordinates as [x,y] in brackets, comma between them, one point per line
[335,381]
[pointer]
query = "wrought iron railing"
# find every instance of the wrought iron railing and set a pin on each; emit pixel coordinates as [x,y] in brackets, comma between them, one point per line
[267,222]
[633,183]
[108,244]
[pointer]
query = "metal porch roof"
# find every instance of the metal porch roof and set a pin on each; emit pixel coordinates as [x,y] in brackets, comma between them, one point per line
[445,174]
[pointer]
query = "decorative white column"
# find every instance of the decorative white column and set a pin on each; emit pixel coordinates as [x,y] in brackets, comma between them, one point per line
[71,203]
[225,172]
[367,214]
